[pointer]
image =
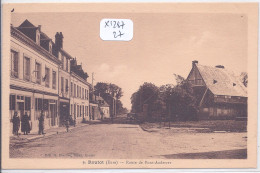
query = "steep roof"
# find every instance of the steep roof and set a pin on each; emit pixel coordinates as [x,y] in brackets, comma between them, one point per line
[221,81]
[26,23]
[104,104]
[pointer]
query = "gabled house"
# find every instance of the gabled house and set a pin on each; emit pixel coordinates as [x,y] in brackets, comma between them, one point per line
[220,93]
[79,88]
[33,75]
[103,107]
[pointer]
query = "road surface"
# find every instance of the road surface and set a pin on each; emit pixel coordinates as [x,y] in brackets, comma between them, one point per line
[129,141]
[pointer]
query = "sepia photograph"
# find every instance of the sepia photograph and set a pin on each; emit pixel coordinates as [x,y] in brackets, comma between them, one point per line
[133,88]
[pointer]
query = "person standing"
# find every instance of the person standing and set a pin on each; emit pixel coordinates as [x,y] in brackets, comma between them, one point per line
[67,123]
[16,124]
[25,124]
[41,124]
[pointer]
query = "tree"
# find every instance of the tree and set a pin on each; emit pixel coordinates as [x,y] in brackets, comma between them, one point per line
[109,92]
[181,101]
[177,102]
[148,94]
[244,78]
[179,79]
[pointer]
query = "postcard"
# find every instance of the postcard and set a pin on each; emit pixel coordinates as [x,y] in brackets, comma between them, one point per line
[129,85]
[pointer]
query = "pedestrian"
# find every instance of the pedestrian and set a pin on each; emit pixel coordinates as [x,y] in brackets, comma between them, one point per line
[67,123]
[16,124]
[25,124]
[41,124]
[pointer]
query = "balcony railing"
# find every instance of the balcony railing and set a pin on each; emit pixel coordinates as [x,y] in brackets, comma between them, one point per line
[230,100]
[197,82]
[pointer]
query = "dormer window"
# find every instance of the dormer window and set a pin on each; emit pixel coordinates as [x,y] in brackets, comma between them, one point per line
[50,48]
[37,37]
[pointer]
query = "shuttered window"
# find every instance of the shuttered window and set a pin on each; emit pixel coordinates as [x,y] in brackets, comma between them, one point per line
[12,102]
[27,69]
[27,103]
[14,64]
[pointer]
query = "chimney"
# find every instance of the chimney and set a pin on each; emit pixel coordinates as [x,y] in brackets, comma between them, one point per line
[219,66]
[40,27]
[59,40]
[194,63]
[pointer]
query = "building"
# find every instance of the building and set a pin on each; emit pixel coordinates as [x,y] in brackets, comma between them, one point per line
[33,75]
[64,77]
[94,111]
[44,77]
[79,90]
[103,107]
[219,92]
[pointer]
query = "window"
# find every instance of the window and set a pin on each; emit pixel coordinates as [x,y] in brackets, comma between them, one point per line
[82,93]
[27,69]
[62,61]
[71,89]
[50,48]
[86,109]
[67,64]
[87,94]
[12,102]
[80,111]
[198,82]
[38,104]
[62,84]
[47,77]
[45,104]
[38,73]
[67,85]
[53,79]
[75,90]
[14,64]
[77,110]
[38,38]
[27,103]
[71,109]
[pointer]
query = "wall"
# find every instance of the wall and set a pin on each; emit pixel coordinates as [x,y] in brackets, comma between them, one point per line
[21,87]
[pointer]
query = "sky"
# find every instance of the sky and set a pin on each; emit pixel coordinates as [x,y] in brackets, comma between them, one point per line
[163,44]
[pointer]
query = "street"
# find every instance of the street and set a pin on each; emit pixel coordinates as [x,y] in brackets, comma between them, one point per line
[129,141]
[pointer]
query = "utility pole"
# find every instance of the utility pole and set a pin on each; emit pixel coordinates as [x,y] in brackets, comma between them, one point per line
[93,81]
[170,111]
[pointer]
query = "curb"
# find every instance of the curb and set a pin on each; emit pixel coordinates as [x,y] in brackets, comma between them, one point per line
[53,133]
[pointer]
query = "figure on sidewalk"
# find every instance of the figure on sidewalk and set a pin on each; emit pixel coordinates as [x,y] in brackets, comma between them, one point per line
[41,124]
[67,123]
[16,124]
[25,124]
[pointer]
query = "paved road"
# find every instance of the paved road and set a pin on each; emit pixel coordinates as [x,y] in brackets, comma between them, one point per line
[129,141]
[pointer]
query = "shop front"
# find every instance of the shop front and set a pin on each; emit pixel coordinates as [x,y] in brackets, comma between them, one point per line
[64,106]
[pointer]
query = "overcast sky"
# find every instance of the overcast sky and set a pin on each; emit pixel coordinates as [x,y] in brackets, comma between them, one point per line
[163,44]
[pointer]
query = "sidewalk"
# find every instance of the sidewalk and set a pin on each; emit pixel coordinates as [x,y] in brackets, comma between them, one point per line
[48,132]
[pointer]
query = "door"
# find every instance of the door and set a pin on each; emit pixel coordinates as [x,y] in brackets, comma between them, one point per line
[21,109]
[64,111]
[53,114]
